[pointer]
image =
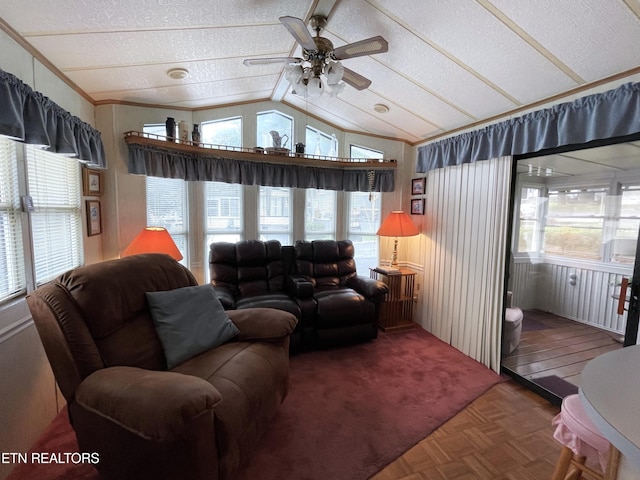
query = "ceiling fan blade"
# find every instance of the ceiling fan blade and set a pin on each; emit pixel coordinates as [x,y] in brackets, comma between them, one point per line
[363,47]
[300,32]
[356,80]
[251,62]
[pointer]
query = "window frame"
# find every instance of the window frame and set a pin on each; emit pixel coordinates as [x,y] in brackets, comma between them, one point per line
[24,157]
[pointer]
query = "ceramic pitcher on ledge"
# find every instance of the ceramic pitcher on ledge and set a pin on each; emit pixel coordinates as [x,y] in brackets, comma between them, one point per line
[277,139]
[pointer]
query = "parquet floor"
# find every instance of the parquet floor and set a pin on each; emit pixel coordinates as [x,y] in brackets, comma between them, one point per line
[562,349]
[504,434]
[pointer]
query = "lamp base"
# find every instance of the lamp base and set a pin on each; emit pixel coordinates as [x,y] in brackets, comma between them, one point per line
[394,255]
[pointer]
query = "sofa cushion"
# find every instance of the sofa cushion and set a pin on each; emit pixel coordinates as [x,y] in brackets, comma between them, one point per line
[189,320]
[252,378]
[279,301]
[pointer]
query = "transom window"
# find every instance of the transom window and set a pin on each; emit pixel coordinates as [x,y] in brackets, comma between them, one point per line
[320,143]
[274,121]
[227,132]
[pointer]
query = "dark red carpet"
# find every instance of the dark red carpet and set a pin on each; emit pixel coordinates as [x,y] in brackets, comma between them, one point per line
[350,411]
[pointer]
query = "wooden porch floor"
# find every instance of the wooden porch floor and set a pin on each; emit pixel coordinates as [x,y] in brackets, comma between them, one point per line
[557,347]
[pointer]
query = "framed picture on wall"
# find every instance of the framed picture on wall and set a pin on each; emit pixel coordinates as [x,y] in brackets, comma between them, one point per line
[417,206]
[92,182]
[94,218]
[417,186]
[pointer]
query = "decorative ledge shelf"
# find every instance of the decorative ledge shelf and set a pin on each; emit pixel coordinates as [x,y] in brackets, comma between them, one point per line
[239,153]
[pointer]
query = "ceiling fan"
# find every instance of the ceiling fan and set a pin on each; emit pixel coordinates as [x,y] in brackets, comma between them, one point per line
[321,59]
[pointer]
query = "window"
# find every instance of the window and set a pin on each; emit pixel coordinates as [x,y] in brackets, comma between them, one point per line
[167,204]
[364,152]
[625,240]
[167,207]
[53,184]
[12,270]
[274,222]
[319,143]
[223,210]
[574,223]
[274,121]
[529,221]
[227,132]
[320,215]
[364,219]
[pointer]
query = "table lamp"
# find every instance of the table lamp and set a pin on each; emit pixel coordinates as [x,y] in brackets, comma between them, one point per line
[397,224]
[153,240]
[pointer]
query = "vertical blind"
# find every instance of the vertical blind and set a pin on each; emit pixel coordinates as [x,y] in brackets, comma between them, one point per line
[468,209]
[56,224]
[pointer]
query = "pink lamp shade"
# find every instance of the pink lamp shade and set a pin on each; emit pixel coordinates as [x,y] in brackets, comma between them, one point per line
[397,224]
[153,240]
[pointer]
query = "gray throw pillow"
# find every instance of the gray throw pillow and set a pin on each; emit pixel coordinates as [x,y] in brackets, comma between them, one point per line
[189,321]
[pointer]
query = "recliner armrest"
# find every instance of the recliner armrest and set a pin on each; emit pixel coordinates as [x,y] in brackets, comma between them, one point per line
[366,286]
[299,286]
[226,297]
[152,404]
[262,323]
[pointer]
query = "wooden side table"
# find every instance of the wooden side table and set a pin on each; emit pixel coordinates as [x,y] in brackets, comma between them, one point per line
[396,310]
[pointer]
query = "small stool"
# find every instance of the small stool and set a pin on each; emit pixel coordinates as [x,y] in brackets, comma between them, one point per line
[580,439]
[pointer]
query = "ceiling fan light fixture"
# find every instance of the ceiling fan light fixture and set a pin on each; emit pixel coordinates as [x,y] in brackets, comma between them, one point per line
[334,72]
[178,73]
[381,108]
[314,87]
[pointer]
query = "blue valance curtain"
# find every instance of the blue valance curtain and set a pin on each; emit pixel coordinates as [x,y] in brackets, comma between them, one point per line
[30,117]
[595,117]
[159,162]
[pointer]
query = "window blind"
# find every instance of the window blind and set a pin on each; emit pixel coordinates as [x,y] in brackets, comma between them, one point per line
[12,269]
[56,224]
[167,207]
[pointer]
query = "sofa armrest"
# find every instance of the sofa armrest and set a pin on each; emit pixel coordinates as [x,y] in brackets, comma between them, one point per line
[262,323]
[226,297]
[299,286]
[368,287]
[152,404]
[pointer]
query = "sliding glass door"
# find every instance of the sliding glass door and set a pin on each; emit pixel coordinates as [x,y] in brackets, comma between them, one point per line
[575,235]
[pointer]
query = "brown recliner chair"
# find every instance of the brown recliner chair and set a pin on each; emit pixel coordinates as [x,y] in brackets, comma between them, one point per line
[347,305]
[202,419]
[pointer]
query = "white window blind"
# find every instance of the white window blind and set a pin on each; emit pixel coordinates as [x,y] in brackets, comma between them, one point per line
[12,270]
[320,215]
[223,212]
[167,207]
[364,218]
[274,221]
[56,224]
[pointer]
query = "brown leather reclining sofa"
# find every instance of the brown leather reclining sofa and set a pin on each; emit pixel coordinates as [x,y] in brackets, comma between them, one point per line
[199,420]
[314,280]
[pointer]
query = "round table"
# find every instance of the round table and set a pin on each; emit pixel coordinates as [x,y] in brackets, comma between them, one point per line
[610,393]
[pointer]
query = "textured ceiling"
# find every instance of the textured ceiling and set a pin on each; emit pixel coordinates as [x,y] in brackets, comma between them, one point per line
[450,63]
